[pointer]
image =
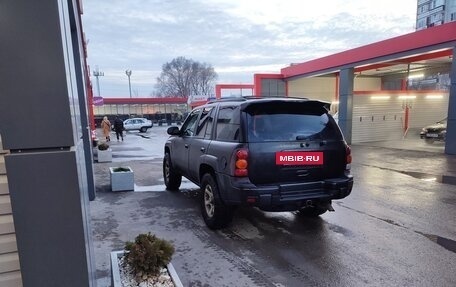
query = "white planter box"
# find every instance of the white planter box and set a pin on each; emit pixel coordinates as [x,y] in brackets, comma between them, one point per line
[115,272]
[122,180]
[104,155]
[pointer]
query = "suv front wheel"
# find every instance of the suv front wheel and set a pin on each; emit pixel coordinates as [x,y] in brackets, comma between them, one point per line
[172,178]
[216,214]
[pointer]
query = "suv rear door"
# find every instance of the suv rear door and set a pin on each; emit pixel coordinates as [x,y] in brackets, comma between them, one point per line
[280,133]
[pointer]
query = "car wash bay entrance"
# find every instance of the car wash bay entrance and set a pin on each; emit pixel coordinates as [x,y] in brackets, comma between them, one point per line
[386,92]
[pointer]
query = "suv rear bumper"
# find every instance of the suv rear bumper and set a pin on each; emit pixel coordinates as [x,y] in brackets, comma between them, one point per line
[283,197]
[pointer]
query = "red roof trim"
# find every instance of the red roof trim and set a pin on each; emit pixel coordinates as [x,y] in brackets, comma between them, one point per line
[441,34]
[112,101]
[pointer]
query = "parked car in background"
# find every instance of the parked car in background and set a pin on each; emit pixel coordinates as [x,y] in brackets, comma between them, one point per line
[277,154]
[434,132]
[140,124]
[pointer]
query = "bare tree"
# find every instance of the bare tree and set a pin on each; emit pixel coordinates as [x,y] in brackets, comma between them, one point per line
[184,77]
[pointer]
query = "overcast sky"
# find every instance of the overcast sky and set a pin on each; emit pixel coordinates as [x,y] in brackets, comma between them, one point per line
[237,37]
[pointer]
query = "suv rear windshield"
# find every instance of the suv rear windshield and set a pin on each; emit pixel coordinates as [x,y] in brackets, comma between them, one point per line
[290,121]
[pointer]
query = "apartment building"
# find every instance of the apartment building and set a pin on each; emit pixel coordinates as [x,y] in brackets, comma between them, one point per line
[431,13]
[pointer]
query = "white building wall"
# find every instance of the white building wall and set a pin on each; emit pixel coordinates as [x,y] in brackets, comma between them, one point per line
[320,88]
[367,84]
[324,88]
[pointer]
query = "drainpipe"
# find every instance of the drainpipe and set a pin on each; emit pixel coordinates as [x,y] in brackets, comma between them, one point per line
[406,116]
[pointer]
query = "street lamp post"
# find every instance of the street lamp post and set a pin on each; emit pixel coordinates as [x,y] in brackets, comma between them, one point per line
[97,73]
[128,73]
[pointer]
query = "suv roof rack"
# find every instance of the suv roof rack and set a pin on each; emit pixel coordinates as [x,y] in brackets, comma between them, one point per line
[245,98]
[228,99]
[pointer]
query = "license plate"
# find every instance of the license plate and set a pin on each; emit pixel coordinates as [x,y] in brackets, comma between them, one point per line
[299,158]
[432,135]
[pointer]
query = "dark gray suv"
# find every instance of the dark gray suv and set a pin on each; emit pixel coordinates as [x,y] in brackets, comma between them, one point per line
[277,154]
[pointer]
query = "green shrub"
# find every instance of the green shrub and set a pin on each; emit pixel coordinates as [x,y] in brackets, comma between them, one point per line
[147,255]
[103,146]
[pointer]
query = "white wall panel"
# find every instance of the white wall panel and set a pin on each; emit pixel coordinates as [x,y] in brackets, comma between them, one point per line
[11,279]
[320,88]
[10,274]
[367,84]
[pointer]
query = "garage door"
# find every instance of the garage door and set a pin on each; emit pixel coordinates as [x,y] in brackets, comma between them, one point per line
[381,117]
[376,118]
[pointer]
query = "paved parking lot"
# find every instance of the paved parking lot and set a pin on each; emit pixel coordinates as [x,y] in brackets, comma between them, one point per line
[397,228]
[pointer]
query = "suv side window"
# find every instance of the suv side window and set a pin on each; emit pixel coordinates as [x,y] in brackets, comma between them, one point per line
[204,127]
[188,128]
[228,123]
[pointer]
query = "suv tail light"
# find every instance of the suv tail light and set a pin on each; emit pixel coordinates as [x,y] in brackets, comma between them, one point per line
[241,163]
[348,157]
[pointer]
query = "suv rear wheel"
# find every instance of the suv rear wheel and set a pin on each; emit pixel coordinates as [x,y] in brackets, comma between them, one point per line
[216,215]
[172,178]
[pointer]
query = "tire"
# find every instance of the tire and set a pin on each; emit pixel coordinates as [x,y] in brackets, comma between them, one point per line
[216,215]
[172,178]
[143,130]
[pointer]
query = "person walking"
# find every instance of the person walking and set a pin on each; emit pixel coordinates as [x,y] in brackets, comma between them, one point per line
[106,126]
[118,127]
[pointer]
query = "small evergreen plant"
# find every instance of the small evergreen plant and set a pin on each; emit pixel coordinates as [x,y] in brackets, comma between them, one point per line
[121,169]
[148,255]
[103,146]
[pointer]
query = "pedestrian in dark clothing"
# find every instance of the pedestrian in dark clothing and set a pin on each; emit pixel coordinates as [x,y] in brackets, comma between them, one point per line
[118,127]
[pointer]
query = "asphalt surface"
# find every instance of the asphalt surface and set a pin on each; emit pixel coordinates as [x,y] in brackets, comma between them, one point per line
[397,228]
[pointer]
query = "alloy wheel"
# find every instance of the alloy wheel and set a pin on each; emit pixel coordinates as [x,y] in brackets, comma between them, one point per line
[209,201]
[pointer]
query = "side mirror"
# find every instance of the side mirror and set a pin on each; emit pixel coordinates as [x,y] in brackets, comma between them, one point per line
[173,131]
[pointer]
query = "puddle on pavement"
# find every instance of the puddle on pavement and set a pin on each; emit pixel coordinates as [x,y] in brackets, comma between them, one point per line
[446,243]
[430,177]
[446,179]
